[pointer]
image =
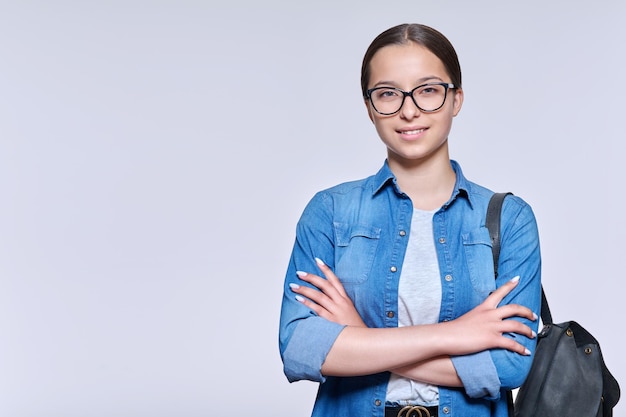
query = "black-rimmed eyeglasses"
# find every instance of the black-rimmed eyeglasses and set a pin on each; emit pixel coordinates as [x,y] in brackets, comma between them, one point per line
[427,97]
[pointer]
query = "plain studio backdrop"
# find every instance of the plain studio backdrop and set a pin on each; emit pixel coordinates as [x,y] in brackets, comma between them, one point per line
[155,157]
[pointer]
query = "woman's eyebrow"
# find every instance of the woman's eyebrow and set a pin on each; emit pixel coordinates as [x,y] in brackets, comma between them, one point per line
[419,81]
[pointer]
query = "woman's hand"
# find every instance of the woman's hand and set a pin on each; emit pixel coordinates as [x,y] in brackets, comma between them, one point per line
[328,299]
[484,326]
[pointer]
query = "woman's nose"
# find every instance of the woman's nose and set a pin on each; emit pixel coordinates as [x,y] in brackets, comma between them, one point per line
[409,109]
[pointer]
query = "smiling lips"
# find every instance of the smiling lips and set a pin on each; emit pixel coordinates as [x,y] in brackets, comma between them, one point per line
[412,131]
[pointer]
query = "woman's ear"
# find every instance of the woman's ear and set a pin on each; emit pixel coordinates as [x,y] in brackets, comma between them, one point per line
[458,101]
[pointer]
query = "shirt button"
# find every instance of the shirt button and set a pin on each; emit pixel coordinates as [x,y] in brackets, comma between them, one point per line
[393,269]
[377,403]
[390,314]
[448,278]
[442,240]
[446,410]
[402,233]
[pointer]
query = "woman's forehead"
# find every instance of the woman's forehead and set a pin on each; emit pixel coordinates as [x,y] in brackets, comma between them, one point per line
[407,61]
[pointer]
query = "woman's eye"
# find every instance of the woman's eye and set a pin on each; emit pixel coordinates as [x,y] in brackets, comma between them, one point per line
[387,94]
[430,90]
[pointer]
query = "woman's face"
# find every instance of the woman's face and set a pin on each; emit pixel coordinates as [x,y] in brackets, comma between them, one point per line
[412,135]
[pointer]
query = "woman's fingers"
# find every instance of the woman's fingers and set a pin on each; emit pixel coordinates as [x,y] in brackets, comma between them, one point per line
[487,325]
[516,310]
[331,277]
[517,327]
[513,346]
[327,297]
[311,300]
[331,286]
[318,294]
[318,282]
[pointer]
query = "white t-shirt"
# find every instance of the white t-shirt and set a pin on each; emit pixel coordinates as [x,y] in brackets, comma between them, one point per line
[419,300]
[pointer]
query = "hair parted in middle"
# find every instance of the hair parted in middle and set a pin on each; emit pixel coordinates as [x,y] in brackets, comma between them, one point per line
[423,35]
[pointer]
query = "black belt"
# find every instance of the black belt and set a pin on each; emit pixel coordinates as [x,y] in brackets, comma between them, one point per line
[411,411]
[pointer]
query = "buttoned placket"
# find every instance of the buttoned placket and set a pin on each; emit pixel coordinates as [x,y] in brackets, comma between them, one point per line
[400,243]
[445,267]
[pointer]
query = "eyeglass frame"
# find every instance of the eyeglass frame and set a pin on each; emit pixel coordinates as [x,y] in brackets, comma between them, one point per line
[405,94]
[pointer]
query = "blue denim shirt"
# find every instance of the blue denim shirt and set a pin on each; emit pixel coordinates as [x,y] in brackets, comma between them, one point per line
[360,229]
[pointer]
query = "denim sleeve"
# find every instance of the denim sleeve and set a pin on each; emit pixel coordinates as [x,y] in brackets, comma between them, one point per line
[520,255]
[483,374]
[304,338]
[478,374]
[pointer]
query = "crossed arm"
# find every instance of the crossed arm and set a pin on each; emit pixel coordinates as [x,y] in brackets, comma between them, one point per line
[416,352]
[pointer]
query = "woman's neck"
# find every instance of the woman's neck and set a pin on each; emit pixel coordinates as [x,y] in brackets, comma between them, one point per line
[428,184]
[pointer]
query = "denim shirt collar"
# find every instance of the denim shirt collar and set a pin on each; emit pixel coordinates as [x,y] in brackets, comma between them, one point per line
[385,178]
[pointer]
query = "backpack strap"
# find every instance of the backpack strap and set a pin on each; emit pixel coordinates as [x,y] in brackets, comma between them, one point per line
[492,222]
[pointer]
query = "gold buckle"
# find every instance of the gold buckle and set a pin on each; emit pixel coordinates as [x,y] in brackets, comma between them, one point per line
[413,411]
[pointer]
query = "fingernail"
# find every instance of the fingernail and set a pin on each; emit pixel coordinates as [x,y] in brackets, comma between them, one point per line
[534,334]
[299,298]
[294,286]
[319,262]
[526,352]
[301,273]
[515,279]
[535,316]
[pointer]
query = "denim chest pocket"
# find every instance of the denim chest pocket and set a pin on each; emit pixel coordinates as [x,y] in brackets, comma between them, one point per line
[479,261]
[355,250]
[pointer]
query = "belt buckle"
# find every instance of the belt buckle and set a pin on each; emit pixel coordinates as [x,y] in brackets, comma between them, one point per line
[413,411]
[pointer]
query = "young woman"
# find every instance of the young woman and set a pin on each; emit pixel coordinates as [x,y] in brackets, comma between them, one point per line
[390,300]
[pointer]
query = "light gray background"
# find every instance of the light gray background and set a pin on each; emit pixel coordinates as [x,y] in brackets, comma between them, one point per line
[155,157]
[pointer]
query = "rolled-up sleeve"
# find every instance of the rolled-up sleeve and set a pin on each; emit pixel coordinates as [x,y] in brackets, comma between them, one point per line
[304,338]
[478,374]
[308,346]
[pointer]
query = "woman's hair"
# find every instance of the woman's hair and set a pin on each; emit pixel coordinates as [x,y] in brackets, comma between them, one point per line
[422,35]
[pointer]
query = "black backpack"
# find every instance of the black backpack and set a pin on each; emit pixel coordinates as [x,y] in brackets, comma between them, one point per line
[568,376]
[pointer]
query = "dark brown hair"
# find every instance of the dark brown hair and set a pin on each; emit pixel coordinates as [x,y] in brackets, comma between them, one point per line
[422,35]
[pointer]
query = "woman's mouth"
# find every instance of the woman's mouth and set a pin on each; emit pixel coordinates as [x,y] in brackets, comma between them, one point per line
[412,132]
